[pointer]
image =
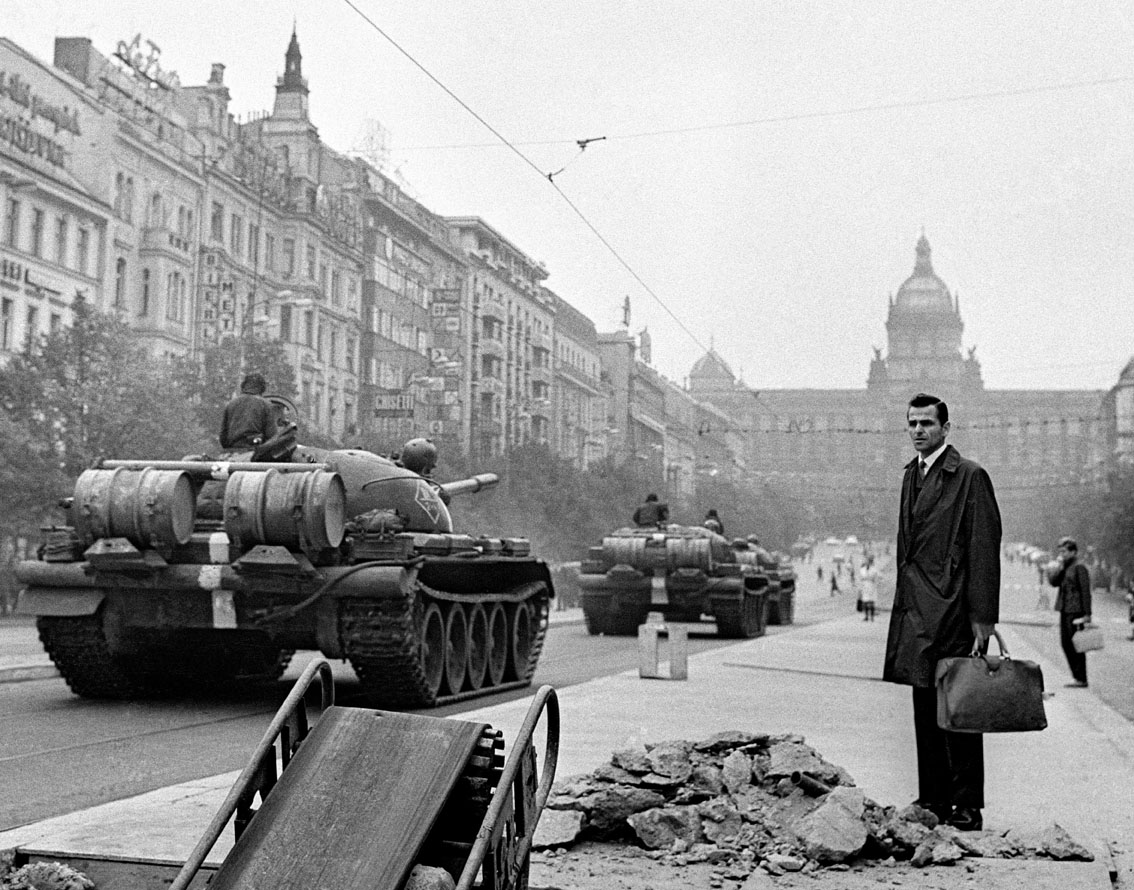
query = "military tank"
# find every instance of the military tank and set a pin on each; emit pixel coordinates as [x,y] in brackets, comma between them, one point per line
[684,572]
[178,575]
[779,572]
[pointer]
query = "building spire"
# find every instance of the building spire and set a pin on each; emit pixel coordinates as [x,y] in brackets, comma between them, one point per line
[924,265]
[293,65]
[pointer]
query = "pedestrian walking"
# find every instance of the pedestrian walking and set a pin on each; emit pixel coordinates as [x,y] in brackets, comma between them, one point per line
[1073,603]
[868,591]
[834,584]
[819,572]
[946,603]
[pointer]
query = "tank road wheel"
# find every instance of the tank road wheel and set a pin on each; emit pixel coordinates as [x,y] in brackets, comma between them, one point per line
[456,647]
[497,644]
[478,646]
[433,649]
[520,639]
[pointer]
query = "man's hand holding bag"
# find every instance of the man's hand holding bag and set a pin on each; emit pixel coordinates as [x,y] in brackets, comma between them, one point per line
[989,693]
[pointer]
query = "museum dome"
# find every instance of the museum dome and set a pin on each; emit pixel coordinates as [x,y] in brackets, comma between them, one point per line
[923,291]
[712,366]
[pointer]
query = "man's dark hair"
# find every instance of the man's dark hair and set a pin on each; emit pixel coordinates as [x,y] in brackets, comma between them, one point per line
[1070,544]
[253,383]
[651,497]
[925,400]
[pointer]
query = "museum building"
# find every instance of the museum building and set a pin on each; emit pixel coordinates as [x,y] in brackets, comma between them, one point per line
[844,449]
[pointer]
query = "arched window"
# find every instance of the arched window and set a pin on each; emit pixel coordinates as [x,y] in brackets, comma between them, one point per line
[155,210]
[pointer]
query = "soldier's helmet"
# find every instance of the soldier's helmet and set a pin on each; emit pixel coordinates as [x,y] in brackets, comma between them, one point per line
[419,455]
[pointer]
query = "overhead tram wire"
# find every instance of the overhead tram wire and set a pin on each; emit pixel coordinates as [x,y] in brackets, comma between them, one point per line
[817,115]
[529,162]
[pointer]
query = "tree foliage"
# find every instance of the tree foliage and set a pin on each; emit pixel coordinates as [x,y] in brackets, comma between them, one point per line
[213,378]
[565,510]
[86,392]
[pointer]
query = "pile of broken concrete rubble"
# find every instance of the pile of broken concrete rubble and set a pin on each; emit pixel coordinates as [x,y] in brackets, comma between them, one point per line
[747,800]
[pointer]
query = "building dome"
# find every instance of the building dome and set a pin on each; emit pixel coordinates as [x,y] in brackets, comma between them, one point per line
[923,291]
[712,366]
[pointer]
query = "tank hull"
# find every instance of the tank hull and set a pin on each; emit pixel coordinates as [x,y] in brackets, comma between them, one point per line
[126,634]
[345,553]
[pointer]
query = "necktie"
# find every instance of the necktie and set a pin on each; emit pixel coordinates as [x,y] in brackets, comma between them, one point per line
[922,468]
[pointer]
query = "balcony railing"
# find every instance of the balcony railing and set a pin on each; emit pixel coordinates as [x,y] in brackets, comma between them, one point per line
[491,385]
[541,341]
[493,307]
[570,372]
[490,346]
[162,238]
[541,408]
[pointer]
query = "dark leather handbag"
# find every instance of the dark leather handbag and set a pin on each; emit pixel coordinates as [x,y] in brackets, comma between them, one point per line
[989,693]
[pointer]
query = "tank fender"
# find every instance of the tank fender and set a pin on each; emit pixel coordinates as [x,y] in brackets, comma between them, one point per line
[372,581]
[64,602]
[605,584]
[54,574]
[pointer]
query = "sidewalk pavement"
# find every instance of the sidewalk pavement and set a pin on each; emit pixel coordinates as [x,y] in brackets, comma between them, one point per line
[21,653]
[821,681]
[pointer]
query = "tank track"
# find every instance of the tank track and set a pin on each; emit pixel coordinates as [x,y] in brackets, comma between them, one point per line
[740,618]
[79,649]
[382,641]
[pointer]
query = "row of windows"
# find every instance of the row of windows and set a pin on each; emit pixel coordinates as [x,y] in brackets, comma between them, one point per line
[576,359]
[245,240]
[324,339]
[70,245]
[176,292]
[159,214]
[31,324]
[339,419]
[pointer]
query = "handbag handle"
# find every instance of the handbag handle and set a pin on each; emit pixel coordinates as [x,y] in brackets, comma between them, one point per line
[999,642]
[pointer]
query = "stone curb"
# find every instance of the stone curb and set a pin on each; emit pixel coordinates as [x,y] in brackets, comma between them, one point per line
[22,672]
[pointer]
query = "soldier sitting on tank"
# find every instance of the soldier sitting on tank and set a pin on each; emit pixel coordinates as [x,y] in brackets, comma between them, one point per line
[764,559]
[713,522]
[249,419]
[651,514]
[420,456]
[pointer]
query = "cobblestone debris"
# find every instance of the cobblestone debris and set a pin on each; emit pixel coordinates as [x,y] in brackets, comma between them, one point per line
[45,876]
[736,800]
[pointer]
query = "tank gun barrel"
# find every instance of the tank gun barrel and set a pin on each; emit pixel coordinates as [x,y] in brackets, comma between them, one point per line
[471,485]
[213,469]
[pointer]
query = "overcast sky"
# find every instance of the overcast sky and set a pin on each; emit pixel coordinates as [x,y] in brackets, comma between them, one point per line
[767,167]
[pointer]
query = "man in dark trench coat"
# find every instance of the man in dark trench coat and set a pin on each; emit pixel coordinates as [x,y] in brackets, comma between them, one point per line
[946,603]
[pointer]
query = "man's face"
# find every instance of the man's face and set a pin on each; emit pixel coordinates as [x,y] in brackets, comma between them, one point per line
[926,431]
[1065,553]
